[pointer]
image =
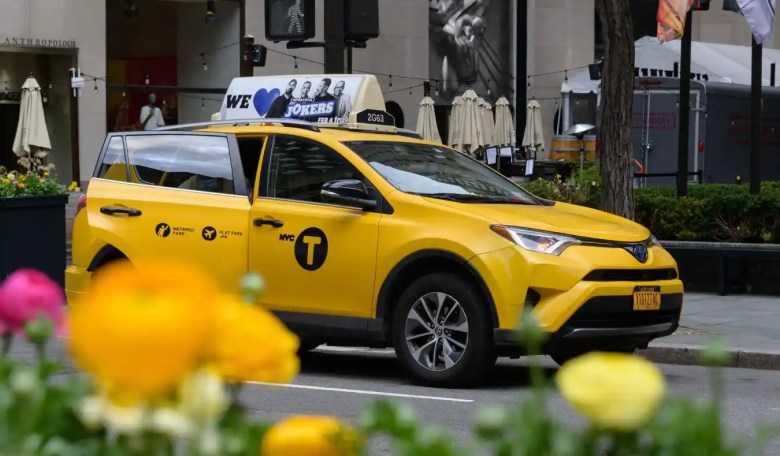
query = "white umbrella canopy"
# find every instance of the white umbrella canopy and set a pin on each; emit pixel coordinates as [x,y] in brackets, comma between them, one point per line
[453,134]
[32,136]
[504,127]
[487,123]
[471,124]
[533,136]
[426,121]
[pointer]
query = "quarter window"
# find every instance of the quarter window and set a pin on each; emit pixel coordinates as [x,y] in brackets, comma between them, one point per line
[191,162]
[298,169]
[113,167]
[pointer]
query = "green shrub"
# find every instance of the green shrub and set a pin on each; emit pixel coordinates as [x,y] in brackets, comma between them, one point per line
[710,212]
[582,188]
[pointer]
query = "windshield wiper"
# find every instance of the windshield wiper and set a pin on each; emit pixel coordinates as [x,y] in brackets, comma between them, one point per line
[470,198]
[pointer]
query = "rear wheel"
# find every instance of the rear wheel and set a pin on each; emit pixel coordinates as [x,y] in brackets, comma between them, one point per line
[308,345]
[442,332]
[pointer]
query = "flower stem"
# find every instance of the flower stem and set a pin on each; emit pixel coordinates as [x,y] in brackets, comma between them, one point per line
[8,340]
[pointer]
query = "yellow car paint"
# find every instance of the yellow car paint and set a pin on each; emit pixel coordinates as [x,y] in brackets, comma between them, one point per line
[363,247]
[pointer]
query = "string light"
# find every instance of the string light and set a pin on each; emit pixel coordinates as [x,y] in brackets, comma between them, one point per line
[295,59]
[50,85]
[565,75]
[391,80]
[96,87]
[202,104]
[124,94]
[205,65]
[436,87]
[146,78]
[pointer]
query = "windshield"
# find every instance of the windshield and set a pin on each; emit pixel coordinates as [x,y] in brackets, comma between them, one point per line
[438,172]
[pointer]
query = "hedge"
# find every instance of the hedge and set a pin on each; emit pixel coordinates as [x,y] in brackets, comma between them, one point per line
[710,212]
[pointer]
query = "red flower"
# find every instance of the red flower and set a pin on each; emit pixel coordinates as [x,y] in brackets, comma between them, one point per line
[27,294]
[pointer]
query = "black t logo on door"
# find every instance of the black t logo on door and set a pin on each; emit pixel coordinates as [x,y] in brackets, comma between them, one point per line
[311,249]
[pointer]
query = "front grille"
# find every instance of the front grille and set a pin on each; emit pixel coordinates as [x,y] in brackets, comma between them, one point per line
[631,275]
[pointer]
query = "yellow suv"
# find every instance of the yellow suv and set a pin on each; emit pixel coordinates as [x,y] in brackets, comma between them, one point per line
[377,238]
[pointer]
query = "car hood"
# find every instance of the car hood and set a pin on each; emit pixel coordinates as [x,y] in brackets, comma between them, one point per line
[559,218]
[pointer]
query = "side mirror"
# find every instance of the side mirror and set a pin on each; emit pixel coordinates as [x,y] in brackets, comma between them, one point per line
[347,192]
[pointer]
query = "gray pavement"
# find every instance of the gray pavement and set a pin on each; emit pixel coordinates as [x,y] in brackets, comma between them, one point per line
[749,326]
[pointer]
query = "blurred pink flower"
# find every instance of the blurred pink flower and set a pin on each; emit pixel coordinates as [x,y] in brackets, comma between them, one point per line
[25,295]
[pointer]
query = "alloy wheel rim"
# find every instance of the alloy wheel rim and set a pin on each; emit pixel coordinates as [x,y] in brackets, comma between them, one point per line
[437,331]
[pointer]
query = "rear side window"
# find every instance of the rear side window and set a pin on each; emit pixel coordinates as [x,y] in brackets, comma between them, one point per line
[190,162]
[113,166]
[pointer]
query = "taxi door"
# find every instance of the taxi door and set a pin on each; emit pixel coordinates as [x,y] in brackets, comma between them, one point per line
[316,258]
[178,195]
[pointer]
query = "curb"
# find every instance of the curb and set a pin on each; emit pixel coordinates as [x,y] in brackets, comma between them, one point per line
[689,355]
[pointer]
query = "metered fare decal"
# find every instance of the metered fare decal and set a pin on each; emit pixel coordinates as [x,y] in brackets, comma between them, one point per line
[163,230]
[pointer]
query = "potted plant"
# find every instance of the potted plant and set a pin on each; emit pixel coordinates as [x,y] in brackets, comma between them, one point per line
[32,220]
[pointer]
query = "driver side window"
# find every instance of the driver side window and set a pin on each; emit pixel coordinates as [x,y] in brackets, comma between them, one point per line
[298,169]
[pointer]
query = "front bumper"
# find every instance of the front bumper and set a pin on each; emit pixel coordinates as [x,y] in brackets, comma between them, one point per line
[609,322]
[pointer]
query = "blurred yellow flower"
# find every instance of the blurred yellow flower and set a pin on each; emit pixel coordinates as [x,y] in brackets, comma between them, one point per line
[202,396]
[21,185]
[45,174]
[613,390]
[142,327]
[310,436]
[238,325]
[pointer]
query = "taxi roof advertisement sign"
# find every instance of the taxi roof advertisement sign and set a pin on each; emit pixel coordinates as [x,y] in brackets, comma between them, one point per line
[314,98]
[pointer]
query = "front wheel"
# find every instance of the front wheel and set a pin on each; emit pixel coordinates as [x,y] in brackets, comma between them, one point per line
[442,331]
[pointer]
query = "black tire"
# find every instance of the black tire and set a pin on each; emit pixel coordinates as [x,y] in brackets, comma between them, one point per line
[479,355]
[308,345]
[565,353]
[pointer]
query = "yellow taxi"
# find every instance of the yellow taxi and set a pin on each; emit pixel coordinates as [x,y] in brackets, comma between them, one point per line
[368,236]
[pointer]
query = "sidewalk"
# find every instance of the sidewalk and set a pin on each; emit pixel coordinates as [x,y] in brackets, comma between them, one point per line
[748,324]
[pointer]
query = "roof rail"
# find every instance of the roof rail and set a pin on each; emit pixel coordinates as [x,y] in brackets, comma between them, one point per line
[239,122]
[409,133]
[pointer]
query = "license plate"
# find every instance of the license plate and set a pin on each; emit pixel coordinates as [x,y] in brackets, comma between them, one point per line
[647,298]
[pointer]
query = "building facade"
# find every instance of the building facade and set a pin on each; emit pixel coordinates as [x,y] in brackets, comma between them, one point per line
[172,48]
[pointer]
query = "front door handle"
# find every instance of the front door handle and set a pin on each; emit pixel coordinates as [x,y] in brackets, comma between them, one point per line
[269,221]
[113,210]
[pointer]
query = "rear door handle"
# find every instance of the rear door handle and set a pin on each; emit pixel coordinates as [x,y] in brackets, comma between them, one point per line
[113,210]
[269,221]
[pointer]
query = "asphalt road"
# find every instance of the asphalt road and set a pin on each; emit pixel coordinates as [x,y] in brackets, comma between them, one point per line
[341,382]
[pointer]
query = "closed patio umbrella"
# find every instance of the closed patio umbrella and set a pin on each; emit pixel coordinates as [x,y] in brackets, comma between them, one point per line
[426,121]
[487,123]
[32,136]
[454,133]
[471,124]
[504,127]
[533,136]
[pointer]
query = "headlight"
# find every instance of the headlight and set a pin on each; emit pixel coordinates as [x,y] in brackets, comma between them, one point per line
[653,242]
[536,241]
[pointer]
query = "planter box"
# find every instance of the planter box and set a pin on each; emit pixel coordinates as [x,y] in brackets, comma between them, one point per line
[726,267]
[32,235]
